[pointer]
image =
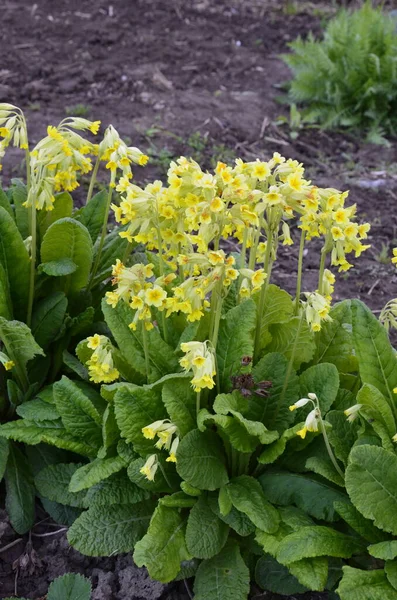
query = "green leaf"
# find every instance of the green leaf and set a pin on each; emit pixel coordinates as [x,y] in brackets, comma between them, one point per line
[325,468]
[247,496]
[342,435]
[314,541]
[61,514]
[293,338]
[58,268]
[113,248]
[311,572]
[117,489]
[75,365]
[5,203]
[276,578]
[274,411]
[134,410]
[235,519]
[48,317]
[163,548]
[19,196]
[70,587]
[376,407]
[360,524]
[201,460]
[108,530]
[391,572]
[20,346]
[180,401]
[273,451]
[80,416]
[224,577]
[5,298]
[334,342]
[88,475]
[53,483]
[365,585]
[37,410]
[92,214]
[49,432]
[309,493]
[4,453]
[384,550]
[278,308]
[178,500]
[62,207]
[131,347]
[20,498]
[322,380]
[67,238]
[235,341]
[372,485]
[206,534]
[16,262]
[376,357]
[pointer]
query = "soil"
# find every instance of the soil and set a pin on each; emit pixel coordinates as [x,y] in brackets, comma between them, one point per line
[190,77]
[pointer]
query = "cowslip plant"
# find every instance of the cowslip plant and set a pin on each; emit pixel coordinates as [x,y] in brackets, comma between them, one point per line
[349,77]
[55,260]
[200,452]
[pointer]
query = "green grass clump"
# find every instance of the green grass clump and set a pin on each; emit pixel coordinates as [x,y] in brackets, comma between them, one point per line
[349,78]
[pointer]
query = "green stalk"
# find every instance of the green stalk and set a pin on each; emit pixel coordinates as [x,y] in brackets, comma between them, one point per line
[300,268]
[33,233]
[146,351]
[198,403]
[161,267]
[102,239]
[93,179]
[321,271]
[262,298]
[291,361]
[127,253]
[329,449]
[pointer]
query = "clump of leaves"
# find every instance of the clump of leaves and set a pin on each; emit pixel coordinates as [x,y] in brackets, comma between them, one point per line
[349,78]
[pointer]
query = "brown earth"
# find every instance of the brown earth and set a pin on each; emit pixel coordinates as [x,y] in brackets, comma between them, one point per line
[189,77]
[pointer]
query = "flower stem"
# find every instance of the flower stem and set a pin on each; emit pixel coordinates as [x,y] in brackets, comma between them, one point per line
[300,268]
[262,298]
[329,449]
[101,240]
[291,362]
[198,403]
[161,268]
[146,351]
[33,233]
[321,271]
[93,180]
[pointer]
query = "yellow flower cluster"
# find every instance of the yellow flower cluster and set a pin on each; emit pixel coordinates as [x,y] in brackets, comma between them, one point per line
[164,430]
[117,155]
[312,419]
[134,287]
[325,214]
[317,309]
[199,358]
[58,159]
[100,365]
[12,128]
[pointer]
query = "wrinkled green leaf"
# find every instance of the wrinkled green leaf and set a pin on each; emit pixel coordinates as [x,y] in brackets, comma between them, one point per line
[201,460]
[108,530]
[53,483]
[92,214]
[247,496]
[71,586]
[180,401]
[365,585]
[20,498]
[163,547]
[235,341]
[48,317]
[97,470]
[372,485]
[206,534]
[293,338]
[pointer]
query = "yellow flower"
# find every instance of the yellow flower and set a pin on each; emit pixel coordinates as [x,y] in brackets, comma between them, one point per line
[94,127]
[261,170]
[94,342]
[394,259]
[150,467]
[155,296]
